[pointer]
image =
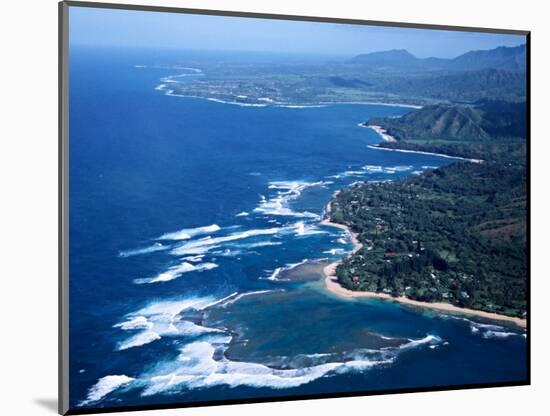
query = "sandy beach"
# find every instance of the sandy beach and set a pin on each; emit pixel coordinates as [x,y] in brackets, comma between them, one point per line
[380,131]
[332,285]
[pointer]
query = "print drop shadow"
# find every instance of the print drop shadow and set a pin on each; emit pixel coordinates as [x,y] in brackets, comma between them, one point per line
[48,404]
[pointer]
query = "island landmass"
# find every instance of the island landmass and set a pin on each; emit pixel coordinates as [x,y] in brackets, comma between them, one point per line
[452,238]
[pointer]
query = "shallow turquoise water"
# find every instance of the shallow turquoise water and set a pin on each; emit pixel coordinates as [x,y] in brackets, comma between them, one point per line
[179,206]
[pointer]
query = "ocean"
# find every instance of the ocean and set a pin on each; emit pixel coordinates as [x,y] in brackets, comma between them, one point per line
[196,248]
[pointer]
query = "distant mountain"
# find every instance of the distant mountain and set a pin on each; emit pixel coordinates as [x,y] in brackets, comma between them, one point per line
[503,57]
[507,58]
[398,59]
[485,121]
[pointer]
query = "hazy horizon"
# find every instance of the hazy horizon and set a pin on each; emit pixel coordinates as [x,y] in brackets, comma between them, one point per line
[145,29]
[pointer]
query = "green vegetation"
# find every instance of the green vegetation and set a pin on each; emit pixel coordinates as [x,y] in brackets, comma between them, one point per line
[389,76]
[474,123]
[488,129]
[455,234]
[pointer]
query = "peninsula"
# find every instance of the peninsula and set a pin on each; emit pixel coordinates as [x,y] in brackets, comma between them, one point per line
[453,238]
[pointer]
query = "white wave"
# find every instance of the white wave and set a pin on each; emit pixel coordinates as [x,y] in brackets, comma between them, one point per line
[231,300]
[138,340]
[216,100]
[160,87]
[371,169]
[228,253]
[221,301]
[171,308]
[428,339]
[242,214]
[261,244]
[104,386]
[193,251]
[145,250]
[139,322]
[203,364]
[387,338]
[499,334]
[187,68]
[194,259]
[176,271]
[335,251]
[287,191]
[205,244]
[347,174]
[188,233]
[398,168]
[298,106]
[274,276]
[162,318]
[487,331]
[342,241]
[303,229]
[476,326]
[198,369]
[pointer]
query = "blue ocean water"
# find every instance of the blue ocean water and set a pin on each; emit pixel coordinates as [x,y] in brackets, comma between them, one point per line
[187,218]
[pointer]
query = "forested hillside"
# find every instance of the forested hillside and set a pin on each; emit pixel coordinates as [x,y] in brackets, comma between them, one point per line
[455,234]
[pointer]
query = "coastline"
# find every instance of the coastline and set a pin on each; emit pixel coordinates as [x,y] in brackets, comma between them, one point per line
[381,131]
[271,103]
[331,284]
[420,152]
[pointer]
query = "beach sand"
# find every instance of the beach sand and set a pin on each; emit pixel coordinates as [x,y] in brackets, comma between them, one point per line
[332,285]
[381,132]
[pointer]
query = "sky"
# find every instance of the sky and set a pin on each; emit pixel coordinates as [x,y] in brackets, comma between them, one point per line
[132,28]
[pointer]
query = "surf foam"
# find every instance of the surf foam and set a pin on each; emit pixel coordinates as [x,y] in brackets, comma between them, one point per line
[104,386]
[176,271]
[188,233]
[145,250]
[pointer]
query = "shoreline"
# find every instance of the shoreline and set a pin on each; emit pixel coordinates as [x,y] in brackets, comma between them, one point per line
[420,152]
[331,284]
[381,131]
[172,93]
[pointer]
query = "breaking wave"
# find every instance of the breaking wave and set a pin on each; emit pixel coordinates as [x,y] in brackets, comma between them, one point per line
[304,229]
[203,363]
[488,331]
[286,191]
[188,233]
[206,244]
[372,169]
[160,319]
[176,271]
[145,250]
[238,296]
[104,386]
[274,276]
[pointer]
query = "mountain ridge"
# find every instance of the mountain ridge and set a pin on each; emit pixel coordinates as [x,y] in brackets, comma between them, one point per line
[511,58]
